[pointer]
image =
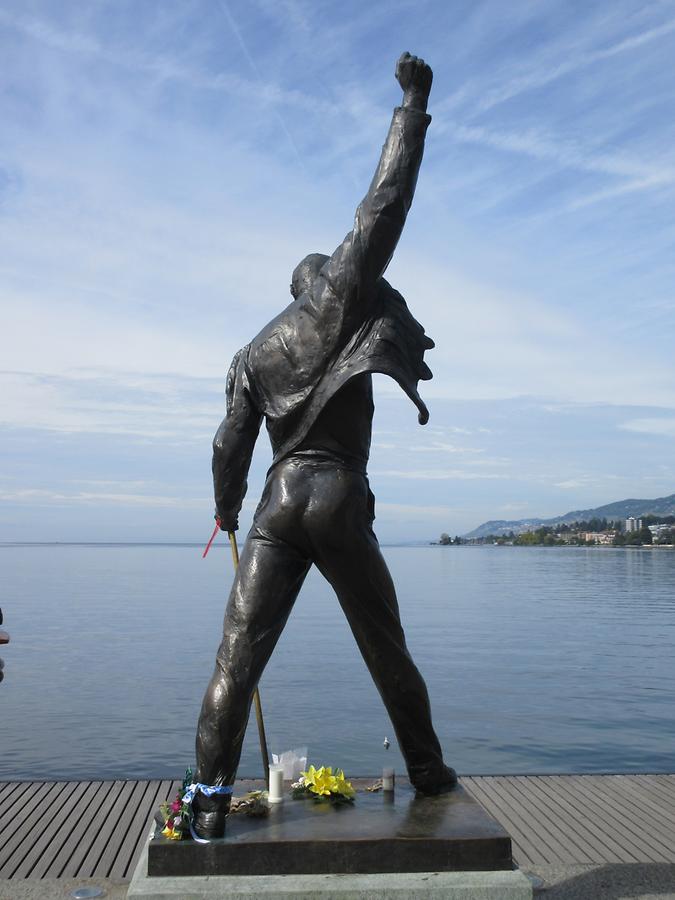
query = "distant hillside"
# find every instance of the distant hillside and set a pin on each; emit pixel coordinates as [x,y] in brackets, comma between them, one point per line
[621,509]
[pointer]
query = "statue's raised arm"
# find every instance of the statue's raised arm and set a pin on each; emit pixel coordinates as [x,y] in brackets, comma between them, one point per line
[366,251]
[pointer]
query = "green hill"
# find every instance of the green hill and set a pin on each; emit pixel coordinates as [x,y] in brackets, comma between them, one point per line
[620,509]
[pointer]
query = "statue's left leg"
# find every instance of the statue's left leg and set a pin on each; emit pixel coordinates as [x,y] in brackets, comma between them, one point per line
[357,571]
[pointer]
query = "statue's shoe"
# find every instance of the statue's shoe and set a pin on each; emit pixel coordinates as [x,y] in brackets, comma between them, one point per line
[209,826]
[446,782]
[209,816]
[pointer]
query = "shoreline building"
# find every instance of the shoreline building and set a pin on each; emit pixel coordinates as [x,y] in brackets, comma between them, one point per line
[660,530]
[598,537]
[633,524]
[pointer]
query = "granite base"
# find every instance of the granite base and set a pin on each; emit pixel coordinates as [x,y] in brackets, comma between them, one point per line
[379,833]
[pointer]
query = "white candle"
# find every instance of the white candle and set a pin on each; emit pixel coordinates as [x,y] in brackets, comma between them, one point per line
[387,779]
[276,791]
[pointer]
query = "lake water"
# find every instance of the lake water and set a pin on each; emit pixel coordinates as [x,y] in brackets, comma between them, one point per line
[537,660]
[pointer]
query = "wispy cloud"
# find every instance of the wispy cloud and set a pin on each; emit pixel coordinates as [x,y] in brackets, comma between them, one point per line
[545,76]
[565,154]
[256,72]
[663,427]
[573,483]
[160,67]
[439,474]
[545,70]
[41,497]
[407,512]
[441,447]
[112,402]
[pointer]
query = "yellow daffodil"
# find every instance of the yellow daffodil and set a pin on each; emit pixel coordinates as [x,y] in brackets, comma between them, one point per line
[171,834]
[308,776]
[342,786]
[320,780]
[322,783]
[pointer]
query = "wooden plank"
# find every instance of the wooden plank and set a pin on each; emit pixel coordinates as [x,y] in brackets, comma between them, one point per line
[120,829]
[524,850]
[40,827]
[6,788]
[653,805]
[48,827]
[662,789]
[522,813]
[71,866]
[565,834]
[12,805]
[91,865]
[74,833]
[129,838]
[519,798]
[29,821]
[589,833]
[661,793]
[644,832]
[563,809]
[600,811]
[663,782]
[139,826]
[167,791]
[596,809]
[50,859]
[662,786]
[473,786]
[596,819]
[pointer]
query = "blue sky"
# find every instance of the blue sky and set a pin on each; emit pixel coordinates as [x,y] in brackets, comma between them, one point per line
[163,167]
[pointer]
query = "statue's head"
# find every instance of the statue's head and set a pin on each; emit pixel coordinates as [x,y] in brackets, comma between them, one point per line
[306,271]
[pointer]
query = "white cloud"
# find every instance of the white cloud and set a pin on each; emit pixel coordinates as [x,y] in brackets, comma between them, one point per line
[662,427]
[542,69]
[408,512]
[42,497]
[496,343]
[161,67]
[564,153]
[105,402]
[438,474]
[572,483]
[442,447]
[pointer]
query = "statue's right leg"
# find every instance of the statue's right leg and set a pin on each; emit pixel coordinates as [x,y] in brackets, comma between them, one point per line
[268,580]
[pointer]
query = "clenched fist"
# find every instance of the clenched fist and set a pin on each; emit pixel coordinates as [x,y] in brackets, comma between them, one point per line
[415,77]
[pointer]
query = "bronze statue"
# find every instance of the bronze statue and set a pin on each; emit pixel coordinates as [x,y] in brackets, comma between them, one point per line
[308,374]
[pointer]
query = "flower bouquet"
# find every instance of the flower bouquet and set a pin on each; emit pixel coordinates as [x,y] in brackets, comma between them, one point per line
[324,786]
[176,815]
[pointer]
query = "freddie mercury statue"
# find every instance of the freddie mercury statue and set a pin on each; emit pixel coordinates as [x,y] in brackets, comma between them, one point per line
[308,374]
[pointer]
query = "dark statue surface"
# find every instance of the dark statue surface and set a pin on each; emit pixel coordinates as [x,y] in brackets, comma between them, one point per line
[396,832]
[308,375]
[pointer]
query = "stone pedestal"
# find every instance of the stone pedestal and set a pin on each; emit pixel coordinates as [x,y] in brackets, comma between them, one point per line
[379,833]
[381,848]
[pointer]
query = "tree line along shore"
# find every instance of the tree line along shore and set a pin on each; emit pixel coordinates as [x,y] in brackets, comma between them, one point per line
[645,531]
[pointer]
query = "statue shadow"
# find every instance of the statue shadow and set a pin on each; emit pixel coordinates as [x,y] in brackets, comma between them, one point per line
[613,881]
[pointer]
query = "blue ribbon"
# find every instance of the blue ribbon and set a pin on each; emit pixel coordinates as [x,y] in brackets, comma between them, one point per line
[207,789]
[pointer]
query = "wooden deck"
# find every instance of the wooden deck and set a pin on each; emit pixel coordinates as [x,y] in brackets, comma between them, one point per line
[96,829]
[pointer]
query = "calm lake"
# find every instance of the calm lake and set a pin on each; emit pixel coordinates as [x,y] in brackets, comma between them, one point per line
[536,659]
